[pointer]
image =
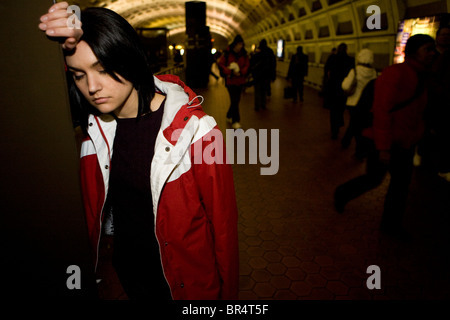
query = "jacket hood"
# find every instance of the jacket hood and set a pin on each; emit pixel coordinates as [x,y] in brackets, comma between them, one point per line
[364,72]
[365,56]
[177,94]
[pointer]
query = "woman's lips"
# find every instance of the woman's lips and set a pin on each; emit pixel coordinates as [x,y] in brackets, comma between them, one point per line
[101,100]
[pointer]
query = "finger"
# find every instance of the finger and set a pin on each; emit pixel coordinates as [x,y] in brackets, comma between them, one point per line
[69,44]
[55,15]
[55,24]
[58,6]
[65,32]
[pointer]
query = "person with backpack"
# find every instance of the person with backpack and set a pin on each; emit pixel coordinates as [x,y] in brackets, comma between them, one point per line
[357,79]
[399,103]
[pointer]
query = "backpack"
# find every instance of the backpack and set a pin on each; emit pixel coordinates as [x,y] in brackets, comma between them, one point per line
[364,105]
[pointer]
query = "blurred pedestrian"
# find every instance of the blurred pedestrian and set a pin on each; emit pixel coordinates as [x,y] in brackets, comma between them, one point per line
[325,79]
[338,67]
[263,69]
[398,125]
[358,77]
[298,70]
[235,65]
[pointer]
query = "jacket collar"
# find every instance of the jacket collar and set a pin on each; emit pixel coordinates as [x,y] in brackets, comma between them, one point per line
[181,104]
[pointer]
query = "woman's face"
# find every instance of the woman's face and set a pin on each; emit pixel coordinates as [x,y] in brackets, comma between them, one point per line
[238,47]
[101,90]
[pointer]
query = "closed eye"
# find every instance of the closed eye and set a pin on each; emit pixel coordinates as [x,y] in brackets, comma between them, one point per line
[78,77]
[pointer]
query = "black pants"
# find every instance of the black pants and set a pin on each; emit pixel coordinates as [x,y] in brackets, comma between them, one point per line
[138,266]
[235,97]
[298,86]
[336,118]
[354,130]
[261,92]
[400,169]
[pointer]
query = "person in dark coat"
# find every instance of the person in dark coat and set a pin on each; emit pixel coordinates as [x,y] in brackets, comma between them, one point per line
[438,115]
[263,69]
[298,70]
[338,67]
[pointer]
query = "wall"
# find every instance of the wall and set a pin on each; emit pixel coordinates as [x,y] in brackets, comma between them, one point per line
[43,230]
[320,25]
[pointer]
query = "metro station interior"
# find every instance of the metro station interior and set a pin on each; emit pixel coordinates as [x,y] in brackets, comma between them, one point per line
[293,244]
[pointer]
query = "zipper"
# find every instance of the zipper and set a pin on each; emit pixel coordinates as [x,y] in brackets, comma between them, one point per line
[104,200]
[160,260]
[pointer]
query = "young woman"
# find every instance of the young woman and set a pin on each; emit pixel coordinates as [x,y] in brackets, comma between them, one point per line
[175,215]
[235,65]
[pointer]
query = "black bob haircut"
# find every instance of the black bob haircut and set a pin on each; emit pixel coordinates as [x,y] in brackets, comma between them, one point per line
[118,48]
[415,42]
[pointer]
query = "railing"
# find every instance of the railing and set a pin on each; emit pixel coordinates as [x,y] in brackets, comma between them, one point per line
[177,70]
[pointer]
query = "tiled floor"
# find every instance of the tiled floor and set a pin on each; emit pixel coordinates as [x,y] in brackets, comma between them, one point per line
[293,245]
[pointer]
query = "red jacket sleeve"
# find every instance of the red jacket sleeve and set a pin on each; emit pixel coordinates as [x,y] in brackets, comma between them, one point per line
[223,64]
[245,65]
[214,178]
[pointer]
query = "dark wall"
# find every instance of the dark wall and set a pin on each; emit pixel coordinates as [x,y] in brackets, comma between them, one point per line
[42,224]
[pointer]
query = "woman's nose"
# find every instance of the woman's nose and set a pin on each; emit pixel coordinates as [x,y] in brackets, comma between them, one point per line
[94,85]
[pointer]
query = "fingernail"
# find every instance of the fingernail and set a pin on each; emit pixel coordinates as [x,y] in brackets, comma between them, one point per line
[43,26]
[44,18]
[51,31]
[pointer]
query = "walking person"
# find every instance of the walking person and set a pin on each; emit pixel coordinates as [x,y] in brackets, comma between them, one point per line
[235,65]
[398,125]
[338,67]
[358,78]
[298,70]
[263,69]
[175,219]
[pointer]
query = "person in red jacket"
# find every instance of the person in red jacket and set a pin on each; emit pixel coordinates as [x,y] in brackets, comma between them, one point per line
[398,125]
[154,159]
[235,64]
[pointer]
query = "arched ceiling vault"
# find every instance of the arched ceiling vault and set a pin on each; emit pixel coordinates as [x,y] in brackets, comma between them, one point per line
[224,17]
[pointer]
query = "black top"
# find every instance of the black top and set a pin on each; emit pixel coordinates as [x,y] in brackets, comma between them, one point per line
[136,254]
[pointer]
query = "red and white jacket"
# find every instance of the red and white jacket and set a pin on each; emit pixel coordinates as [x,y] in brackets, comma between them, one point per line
[194,202]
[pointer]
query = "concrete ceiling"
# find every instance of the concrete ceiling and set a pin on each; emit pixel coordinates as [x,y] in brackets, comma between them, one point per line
[226,18]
